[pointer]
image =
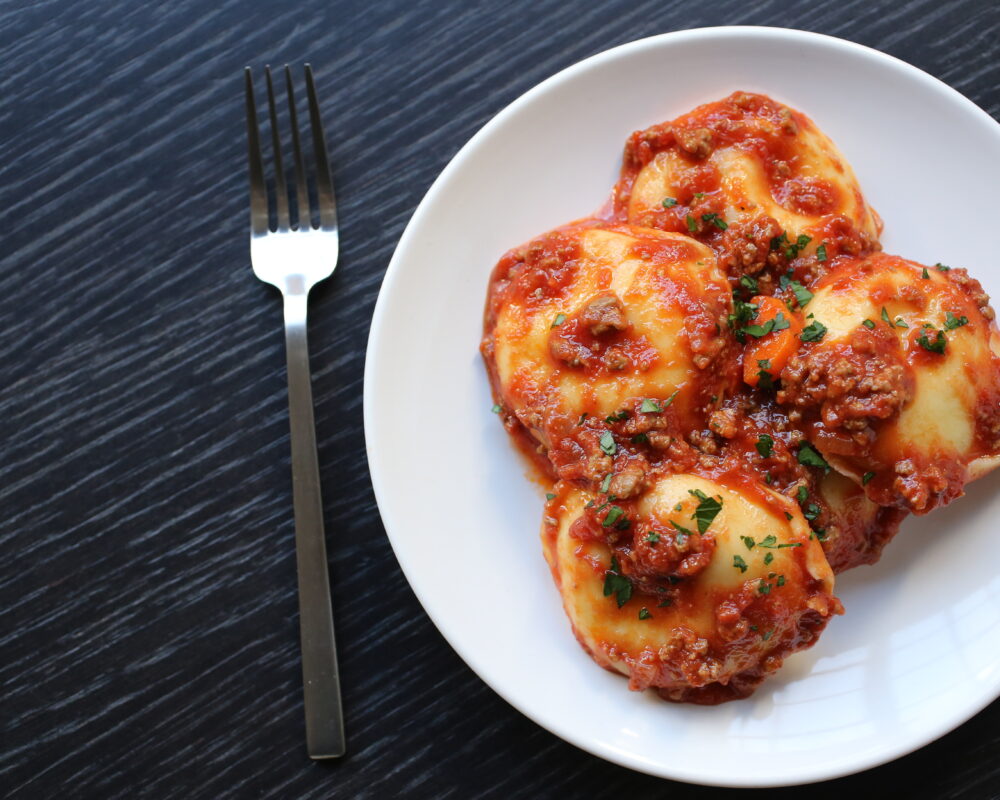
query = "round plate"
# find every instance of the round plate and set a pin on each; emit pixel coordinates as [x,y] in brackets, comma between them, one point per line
[918,651]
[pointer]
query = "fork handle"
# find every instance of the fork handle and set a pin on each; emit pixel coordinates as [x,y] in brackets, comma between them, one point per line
[321,679]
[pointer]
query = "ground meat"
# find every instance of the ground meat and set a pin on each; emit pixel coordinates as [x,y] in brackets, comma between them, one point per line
[643,145]
[724,422]
[615,359]
[988,421]
[788,123]
[745,248]
[569,351]
[630,481]
[696,142]
[848,386]
[603,314]
[973,288]
[925,490]
[704,441]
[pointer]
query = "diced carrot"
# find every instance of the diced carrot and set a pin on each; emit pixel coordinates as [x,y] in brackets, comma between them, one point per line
[775,347]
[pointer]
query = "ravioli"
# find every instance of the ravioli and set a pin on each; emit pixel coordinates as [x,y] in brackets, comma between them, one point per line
[735,393]
[902,392]
[589,323]
[753,178]
[699,589]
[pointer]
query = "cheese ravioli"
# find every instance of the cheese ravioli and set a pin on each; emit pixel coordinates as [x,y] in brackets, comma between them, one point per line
[756,180]
[591,325]
[699,588]
[902,390]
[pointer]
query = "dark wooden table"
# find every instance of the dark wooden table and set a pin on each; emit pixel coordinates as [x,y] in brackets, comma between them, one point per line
[149,641]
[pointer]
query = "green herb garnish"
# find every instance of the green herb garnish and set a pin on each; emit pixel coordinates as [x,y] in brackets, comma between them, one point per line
[810,458]
[936,346]
[813,332]
[617,584]
[951,321]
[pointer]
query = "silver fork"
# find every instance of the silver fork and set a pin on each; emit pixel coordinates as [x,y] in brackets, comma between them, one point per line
[294,259]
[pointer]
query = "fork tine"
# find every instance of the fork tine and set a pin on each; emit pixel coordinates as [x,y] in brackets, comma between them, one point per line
[258,189]
[301,188]
[280,188]
[324,183]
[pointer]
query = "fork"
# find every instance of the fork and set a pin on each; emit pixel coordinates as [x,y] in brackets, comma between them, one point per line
[294,258]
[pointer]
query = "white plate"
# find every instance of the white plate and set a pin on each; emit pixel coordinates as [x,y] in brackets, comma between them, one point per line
[918,651]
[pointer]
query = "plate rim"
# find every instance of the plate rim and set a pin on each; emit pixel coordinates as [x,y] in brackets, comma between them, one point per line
[813,774]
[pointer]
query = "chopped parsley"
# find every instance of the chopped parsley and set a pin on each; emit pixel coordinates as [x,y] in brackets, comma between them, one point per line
[778,323]
[650,407]
[669,202]
[791,249]
[617,417]
[606,483]
[716,220]
[550,496]
[749,283]
[617,584]
[665,603]
[684,532]
[770,542]
[936,346]
[813,332]
[743,313]
[801,494]
[699,195]
[652,538]
[819,533]
[559,320]
[692,223]
[764,588]
[767,635]
[496,408]
[866,478]
[739,563]
[885,316]
[768,558]
[868,324]
[707,510]
[802,294]
[583,416]
[810,458]
[748,541]
[608,443]
[941,267]
[821,252]
[811,512]
[644,613]
[900,323]
[639,438]
[951,321]
[614,514]
[925,274]
[765,445]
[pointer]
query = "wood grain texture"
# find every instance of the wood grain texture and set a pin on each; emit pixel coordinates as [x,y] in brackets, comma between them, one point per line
[148,633]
